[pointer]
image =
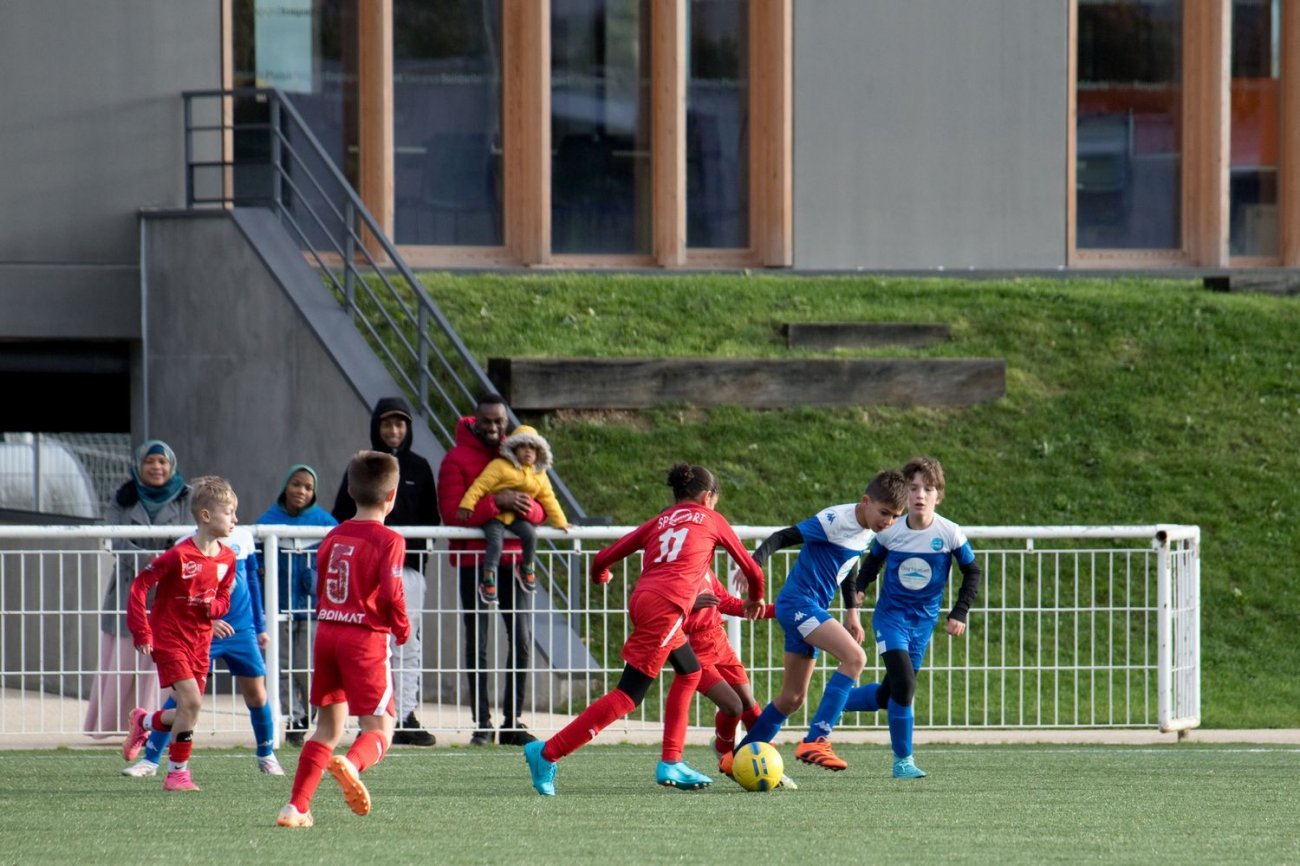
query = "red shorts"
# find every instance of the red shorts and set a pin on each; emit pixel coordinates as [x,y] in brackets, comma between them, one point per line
[176,665]
[351,665]
[718,661]
[656,632]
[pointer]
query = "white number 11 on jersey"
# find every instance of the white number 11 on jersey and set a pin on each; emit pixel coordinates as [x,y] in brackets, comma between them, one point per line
[670,544]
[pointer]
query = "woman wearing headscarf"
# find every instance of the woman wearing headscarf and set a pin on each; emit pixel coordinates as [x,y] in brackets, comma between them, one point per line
[155,495]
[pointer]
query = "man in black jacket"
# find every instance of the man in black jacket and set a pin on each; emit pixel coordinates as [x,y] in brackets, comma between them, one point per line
[417,505]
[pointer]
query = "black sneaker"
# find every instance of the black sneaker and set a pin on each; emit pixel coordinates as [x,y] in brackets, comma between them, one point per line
[409,733]
[483,737]
[293,738]
[516,736]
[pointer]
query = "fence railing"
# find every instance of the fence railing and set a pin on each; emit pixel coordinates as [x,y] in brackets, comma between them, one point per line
[1076,627]
[250,147]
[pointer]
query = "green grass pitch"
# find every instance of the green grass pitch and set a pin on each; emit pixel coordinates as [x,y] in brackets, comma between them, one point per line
[980,804]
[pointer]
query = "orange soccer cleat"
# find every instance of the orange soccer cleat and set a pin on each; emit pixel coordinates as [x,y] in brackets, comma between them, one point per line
[354,790]
[818,753]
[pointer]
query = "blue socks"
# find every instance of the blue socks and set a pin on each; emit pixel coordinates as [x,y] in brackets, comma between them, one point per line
[831,707]
[765,728]
[263,729]
[900,729]
[158,739]
[863,699]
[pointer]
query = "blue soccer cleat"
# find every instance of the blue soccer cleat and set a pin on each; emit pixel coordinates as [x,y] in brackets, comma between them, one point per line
[681,776]
[542,770]
[906,768]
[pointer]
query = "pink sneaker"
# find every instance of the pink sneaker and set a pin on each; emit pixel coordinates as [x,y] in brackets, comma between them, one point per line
[136,734]
[179,780]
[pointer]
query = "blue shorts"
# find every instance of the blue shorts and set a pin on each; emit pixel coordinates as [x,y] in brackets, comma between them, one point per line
[895,632]
[798,618]
[241,654]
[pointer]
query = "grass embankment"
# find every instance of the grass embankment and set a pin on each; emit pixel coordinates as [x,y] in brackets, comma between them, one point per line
[1128,401]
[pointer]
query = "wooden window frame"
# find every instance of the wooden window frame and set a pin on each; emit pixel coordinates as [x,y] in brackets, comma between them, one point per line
[526,134]
[1205,151]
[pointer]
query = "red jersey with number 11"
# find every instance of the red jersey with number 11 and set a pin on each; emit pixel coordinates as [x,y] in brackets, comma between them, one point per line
[359,578]
[679,544]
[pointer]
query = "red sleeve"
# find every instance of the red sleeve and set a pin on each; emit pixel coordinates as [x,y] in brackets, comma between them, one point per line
[727,603]
[394,593]
[137,613]
[621,549]
[453,481]
[752,570]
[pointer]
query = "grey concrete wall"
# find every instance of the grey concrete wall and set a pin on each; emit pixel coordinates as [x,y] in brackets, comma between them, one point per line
[236,382]
[92,132]
[930,133]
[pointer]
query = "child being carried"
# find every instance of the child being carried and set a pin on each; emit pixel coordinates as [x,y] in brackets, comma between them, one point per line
[525,457]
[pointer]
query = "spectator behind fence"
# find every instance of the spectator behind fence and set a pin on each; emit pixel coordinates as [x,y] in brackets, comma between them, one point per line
[478,443]
[296,506]
[155,495]
[416,505]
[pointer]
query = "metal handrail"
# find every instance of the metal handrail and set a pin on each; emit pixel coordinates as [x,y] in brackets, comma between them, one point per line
[424,368]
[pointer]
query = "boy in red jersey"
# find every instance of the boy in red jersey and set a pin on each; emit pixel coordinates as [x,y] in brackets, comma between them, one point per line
[723,678]
[194,580]
[679,544]
[359,603]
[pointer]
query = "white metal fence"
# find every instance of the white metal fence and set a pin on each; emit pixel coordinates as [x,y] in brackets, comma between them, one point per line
[1075,627]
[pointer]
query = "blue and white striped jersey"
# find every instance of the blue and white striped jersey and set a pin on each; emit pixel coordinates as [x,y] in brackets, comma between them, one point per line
[833,540]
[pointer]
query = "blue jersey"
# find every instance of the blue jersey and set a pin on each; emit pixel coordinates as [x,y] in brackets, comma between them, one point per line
[917,562]
[833,540]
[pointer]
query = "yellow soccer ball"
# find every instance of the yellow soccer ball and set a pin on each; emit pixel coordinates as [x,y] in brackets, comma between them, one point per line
[757,767]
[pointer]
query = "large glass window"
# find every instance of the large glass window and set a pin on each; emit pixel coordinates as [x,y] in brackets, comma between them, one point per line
[1129,133]
[717,125]
[308,49]
[1256,101]
[447,122]
[600,126]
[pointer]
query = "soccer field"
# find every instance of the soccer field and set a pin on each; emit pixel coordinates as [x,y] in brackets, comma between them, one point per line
[980,804]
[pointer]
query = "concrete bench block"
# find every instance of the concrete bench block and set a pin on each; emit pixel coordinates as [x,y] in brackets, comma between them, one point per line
[642,383]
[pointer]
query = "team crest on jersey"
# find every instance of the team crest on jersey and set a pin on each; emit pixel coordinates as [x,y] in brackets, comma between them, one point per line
[191,570]
[936,544]
[914,573]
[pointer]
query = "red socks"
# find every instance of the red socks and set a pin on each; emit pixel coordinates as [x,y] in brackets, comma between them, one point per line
[367,751]
[590,722]
[749,717]
[677,706]
[311,766]
[724,731]
[179,751]
[156,722]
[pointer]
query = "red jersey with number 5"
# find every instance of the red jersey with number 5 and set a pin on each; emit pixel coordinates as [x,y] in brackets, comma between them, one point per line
[679,544]
[359,578]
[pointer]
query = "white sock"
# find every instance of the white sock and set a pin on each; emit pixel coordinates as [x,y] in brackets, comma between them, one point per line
[173,767]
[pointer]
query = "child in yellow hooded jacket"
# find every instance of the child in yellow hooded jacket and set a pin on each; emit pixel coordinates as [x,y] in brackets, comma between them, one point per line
[525,457]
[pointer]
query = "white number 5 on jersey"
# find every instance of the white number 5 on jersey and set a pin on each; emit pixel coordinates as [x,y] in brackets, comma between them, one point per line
[336,573]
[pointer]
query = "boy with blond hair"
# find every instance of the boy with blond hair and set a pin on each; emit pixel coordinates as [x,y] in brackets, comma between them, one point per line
[360,602]
[194,581]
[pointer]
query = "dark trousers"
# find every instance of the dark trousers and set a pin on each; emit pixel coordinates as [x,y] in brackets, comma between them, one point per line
[513,603]
[495,533]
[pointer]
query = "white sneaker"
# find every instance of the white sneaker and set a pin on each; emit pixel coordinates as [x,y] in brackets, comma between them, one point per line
[787,783]
[270,766]
[291,817]
[141,768]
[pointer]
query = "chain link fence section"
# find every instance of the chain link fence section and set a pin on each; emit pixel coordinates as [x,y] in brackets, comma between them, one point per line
[68,474]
